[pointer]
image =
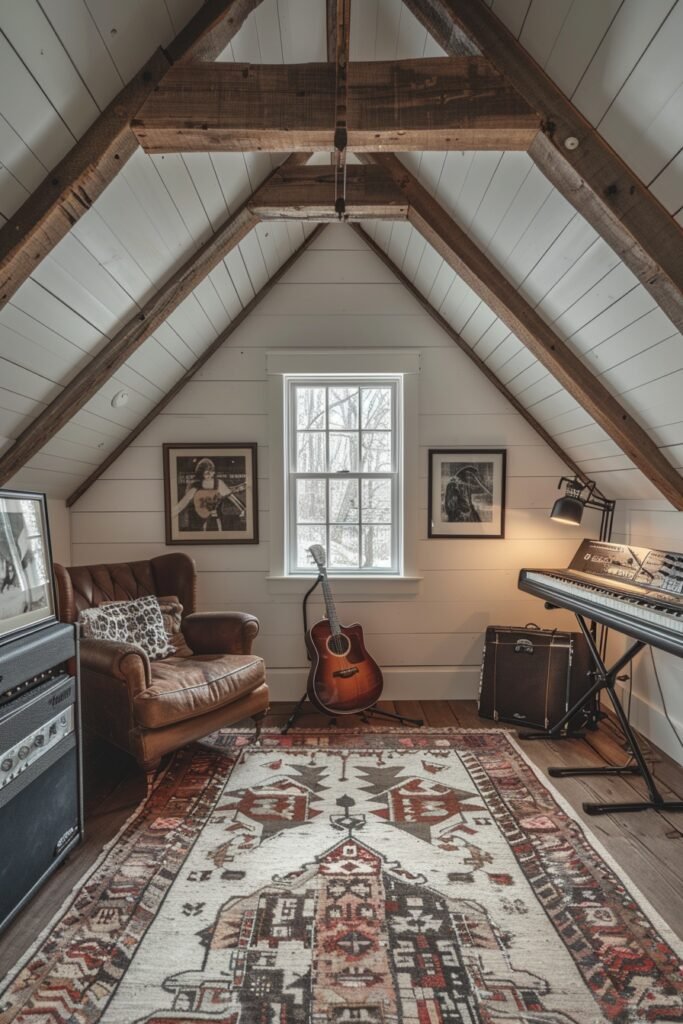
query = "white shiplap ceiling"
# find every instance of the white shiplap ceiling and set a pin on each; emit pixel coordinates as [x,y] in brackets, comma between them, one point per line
[62,61]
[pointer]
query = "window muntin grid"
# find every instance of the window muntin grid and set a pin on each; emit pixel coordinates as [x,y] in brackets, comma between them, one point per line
[343,455]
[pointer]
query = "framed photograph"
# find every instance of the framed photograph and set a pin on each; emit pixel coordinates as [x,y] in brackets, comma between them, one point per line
[27,594]
[210,494]
[466,492]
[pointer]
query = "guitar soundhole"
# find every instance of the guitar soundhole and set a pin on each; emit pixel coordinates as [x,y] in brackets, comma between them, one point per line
[338,644]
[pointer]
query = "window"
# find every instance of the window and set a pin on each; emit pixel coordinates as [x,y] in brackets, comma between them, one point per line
[343,455]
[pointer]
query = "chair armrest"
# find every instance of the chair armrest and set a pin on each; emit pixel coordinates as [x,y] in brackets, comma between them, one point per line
[220,632]
[126,662]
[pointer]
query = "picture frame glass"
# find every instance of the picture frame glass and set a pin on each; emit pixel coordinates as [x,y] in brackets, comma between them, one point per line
[211,494]
[27,597]
[466,492]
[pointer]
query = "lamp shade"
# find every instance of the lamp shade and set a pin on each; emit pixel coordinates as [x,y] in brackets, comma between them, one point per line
[568,510]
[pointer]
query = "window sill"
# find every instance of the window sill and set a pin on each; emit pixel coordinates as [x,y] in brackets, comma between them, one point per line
[349,587]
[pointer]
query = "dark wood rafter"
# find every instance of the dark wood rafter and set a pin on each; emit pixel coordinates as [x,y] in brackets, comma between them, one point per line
[471,354]
[429,218]
[342,46]
[116,351]
[190,373]
[342,43]
[331,29]
[213,27]
[308,193]
[70,189]
[74,184]
[592,177]
[425,104]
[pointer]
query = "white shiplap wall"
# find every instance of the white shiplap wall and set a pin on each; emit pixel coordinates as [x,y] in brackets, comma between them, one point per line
[657,676]
[563,269]
[60,63]
[63,60]
[339,295]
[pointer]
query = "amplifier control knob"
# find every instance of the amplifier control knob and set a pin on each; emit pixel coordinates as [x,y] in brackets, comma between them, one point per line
[39,740]
[6,764]
[24,752]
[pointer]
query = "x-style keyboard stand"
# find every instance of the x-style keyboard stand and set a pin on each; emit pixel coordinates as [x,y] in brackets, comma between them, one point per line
[605,679]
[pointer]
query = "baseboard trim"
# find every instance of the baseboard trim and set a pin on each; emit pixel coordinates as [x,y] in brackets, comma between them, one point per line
[442,682]
[651,722]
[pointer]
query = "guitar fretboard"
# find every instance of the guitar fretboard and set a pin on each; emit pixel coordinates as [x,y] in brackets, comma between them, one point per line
[329,605]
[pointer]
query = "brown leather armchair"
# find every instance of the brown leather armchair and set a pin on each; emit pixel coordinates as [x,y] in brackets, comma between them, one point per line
[152,707]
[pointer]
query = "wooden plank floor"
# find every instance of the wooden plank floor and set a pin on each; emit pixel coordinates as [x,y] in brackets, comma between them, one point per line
[647,845]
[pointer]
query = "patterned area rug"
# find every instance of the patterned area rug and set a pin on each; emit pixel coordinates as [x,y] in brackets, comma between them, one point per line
[351,878]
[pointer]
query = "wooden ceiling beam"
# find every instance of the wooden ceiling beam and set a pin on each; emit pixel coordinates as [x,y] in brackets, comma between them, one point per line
[338,31]
[342,46]
[70,189]
[338,49]
[196,366]
[471,354]
[476,270]
[590,176]
[308,193]
[213,27]
[438,103]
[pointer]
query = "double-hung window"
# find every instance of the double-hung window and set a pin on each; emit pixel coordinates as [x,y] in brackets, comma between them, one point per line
[343,459]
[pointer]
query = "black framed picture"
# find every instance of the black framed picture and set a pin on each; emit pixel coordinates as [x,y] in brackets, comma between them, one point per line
[466,492]
[210,494]
[27,595]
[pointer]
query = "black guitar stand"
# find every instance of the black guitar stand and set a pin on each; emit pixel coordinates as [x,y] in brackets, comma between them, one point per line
[333,721]
[605,679]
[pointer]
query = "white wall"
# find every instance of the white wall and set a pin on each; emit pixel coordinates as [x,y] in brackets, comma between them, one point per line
[340,295]
[657,676]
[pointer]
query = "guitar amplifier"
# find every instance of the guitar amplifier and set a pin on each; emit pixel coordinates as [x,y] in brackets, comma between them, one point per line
[532,676]
[40,771]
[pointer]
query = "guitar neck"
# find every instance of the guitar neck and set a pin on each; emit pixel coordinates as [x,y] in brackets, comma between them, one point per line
[329,605]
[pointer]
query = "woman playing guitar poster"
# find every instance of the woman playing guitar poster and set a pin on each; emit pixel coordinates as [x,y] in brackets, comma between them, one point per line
[205,495]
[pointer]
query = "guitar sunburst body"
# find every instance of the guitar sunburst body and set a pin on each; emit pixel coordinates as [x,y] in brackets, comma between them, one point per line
[343,678]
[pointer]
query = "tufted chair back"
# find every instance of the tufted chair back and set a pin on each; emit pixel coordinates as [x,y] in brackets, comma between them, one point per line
[87,586]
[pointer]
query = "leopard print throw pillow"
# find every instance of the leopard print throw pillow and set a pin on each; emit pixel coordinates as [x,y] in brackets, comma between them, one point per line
[131,622]
[172,614]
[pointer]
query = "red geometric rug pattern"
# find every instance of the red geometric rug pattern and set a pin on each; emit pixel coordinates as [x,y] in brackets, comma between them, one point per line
[351,878]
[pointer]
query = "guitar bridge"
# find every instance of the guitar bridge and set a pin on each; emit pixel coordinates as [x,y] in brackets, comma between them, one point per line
[344,673]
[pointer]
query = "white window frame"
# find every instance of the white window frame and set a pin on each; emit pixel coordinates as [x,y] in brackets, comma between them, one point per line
[395,382]
[405,363]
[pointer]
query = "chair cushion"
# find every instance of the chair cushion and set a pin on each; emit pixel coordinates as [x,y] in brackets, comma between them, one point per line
[129,622]
[184,688]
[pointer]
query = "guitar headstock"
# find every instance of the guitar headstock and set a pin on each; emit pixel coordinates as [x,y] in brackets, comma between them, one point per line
[317,553]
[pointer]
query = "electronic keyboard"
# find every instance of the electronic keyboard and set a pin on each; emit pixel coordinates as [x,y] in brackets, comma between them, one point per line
[636,591]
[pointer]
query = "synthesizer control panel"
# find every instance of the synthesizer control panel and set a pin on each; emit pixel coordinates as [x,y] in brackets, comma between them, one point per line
[641,567]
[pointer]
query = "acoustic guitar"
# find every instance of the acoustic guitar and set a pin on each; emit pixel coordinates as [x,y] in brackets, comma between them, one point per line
[343,678]
[206,502]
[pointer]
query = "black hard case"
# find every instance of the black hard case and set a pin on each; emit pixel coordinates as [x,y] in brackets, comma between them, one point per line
[533,676]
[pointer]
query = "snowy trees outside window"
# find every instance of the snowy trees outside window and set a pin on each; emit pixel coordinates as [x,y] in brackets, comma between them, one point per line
[344,472]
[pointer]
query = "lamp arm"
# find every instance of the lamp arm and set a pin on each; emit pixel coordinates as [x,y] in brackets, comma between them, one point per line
[594,495]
